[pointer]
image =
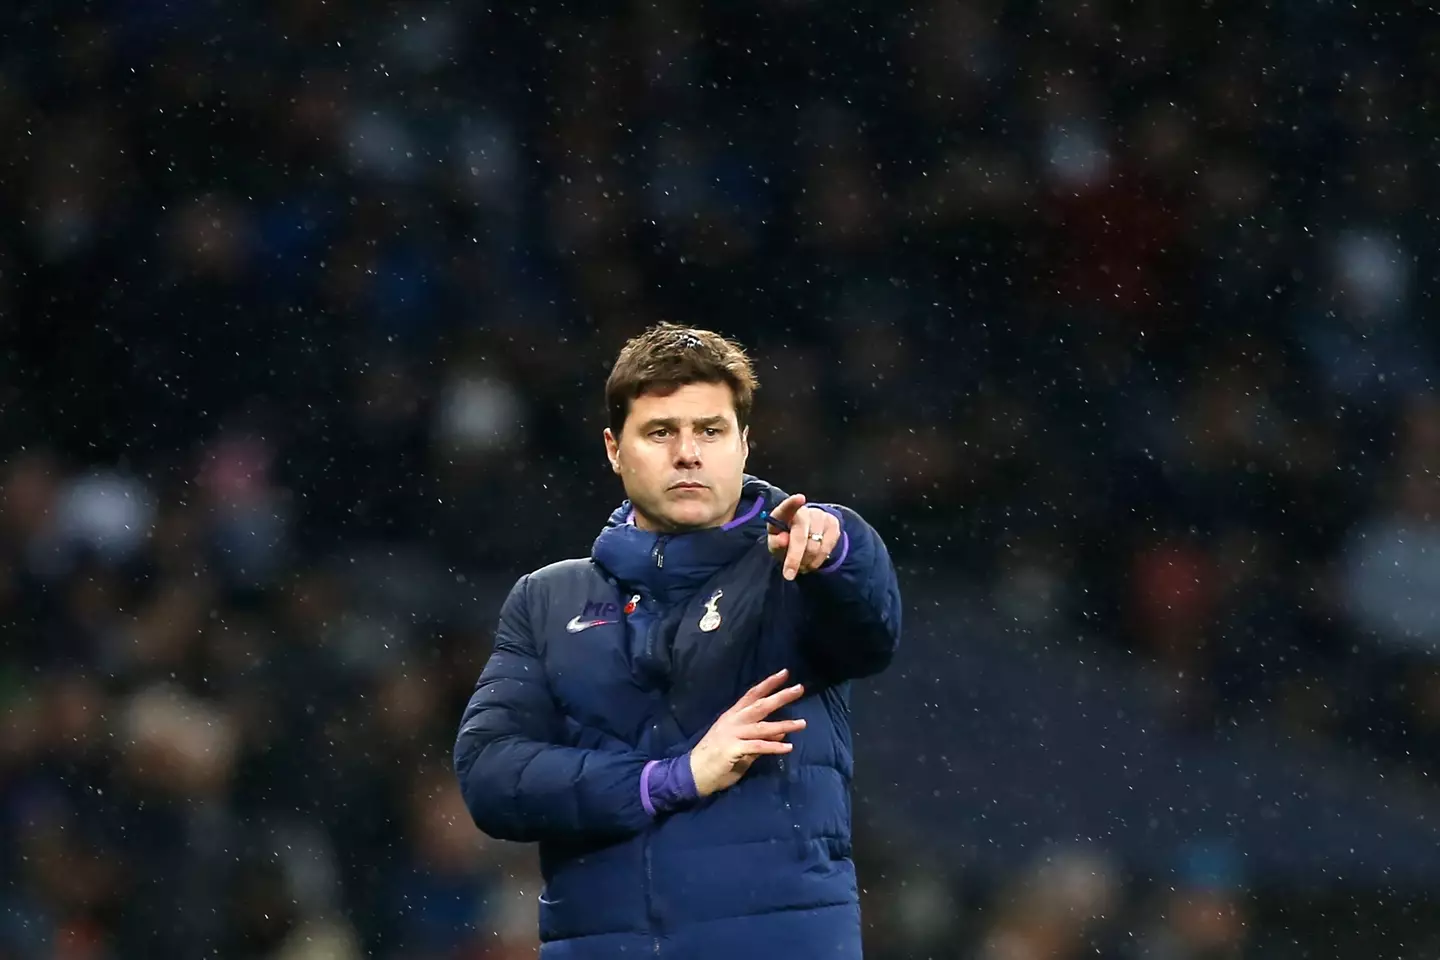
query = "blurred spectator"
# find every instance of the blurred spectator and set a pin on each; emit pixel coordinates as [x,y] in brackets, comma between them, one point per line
[1055,910]
[1393,568]
[1201,917]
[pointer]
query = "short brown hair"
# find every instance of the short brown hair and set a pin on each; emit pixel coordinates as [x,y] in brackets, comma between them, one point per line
[669,356]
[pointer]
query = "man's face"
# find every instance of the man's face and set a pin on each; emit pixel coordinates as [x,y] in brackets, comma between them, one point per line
[681,457]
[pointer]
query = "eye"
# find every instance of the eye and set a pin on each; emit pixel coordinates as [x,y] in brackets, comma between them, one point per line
[659,433]
[712,431]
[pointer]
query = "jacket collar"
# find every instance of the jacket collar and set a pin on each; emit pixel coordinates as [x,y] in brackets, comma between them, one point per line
[671,566]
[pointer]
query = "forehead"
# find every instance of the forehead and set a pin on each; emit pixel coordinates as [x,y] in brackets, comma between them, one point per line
[693,401]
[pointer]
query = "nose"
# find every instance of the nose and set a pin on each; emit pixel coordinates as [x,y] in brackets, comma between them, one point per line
[687,450]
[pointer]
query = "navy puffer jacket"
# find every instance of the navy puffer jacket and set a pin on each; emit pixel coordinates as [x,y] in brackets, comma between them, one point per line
[601,666]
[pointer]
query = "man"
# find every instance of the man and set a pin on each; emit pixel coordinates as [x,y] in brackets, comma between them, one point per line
[669,718]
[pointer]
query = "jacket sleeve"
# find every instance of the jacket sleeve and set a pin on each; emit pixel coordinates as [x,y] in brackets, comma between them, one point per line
[852,604]
[519,782]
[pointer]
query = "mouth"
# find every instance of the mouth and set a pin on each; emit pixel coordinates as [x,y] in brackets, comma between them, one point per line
[687,485]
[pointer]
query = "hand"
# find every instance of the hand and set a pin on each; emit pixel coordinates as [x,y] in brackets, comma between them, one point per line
[741,734]
[798,547]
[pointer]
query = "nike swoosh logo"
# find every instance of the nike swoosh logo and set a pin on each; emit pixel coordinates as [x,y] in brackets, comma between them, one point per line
[576,624]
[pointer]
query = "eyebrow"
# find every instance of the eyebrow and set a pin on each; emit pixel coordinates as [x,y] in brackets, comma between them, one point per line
[671,423]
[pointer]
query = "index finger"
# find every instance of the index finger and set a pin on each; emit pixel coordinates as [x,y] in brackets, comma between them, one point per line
[799,540]
[786,509]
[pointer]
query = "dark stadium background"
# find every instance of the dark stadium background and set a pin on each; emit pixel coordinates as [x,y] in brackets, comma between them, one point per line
[1116,318]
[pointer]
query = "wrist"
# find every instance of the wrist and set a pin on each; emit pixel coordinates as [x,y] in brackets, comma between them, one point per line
[703,787]
[668,785]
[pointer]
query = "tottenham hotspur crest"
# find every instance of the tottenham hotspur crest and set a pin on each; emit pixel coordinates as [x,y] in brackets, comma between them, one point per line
[711,619]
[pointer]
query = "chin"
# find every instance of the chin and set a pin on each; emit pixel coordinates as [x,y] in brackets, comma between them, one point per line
[690,514]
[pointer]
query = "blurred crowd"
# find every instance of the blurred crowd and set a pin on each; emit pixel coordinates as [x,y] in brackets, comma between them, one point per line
[1115,310]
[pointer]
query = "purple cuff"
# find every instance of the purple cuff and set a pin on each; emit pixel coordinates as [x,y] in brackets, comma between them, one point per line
[667,784]
[843,550]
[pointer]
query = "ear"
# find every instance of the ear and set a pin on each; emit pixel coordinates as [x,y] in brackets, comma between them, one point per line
[612,451]
[744,445]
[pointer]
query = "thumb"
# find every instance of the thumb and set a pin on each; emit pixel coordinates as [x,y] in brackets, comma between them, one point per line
[786,509]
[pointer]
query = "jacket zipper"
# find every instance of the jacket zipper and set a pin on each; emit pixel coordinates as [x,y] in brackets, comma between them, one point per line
[658,553]
[650,897]
[652,629]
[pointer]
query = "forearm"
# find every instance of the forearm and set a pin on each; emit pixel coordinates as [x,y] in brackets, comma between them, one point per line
[522,774]
[525,790]
[520,785]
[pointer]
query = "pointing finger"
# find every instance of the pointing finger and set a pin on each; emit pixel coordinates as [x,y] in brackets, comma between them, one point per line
[786,509]
[799,540]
